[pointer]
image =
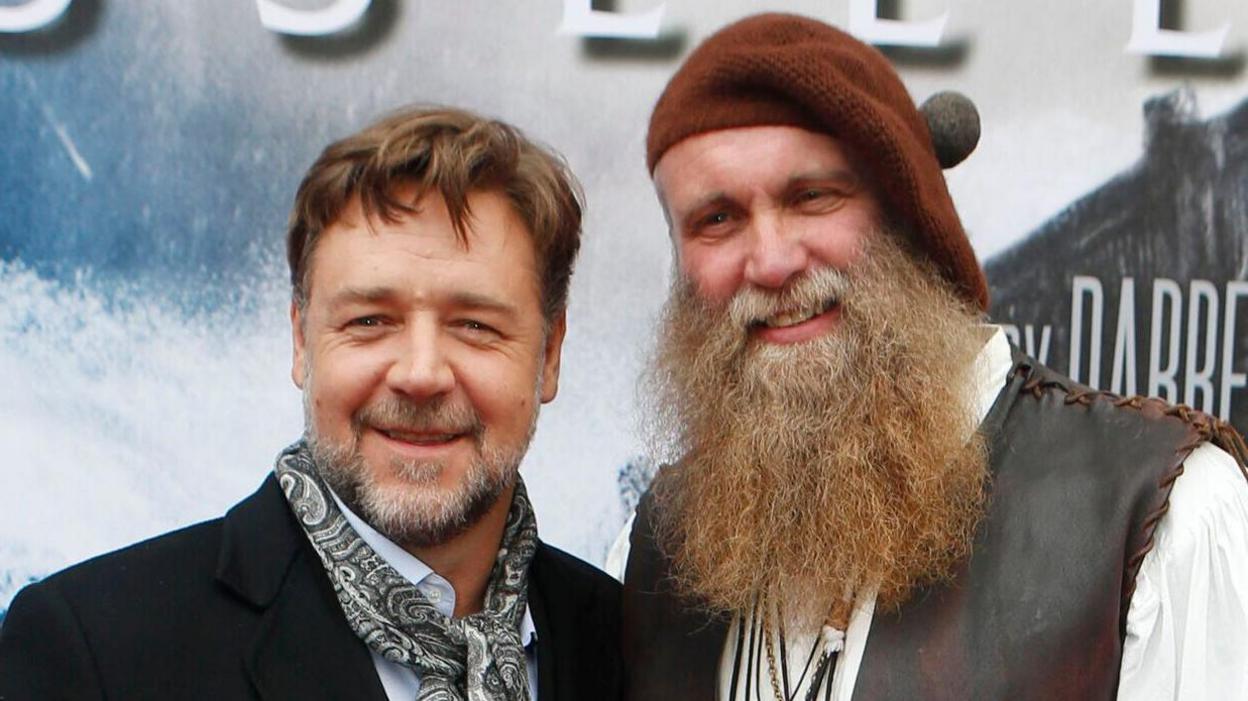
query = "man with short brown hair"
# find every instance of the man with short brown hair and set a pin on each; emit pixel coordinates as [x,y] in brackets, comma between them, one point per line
[870,494]
[393,552]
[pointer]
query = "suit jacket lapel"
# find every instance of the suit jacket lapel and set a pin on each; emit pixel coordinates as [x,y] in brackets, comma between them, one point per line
[547,641]
[577,633]
[302,646]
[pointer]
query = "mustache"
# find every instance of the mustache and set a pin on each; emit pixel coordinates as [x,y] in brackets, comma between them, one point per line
[439,415]
[817,288]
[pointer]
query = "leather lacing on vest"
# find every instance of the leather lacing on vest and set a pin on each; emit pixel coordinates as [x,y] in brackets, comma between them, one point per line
[1205,428]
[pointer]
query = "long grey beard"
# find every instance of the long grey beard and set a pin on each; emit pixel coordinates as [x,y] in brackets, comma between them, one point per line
[845,458]
[475,658]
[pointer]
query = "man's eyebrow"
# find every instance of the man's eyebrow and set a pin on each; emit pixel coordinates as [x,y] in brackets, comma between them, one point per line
[357,295]
[714,199]
[474,300]
[462,299]
[841,176]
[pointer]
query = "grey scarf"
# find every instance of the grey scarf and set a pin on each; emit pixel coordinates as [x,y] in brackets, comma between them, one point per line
[475,658]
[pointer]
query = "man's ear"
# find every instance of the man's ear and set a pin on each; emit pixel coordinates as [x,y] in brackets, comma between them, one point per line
[298,345]
[554,348]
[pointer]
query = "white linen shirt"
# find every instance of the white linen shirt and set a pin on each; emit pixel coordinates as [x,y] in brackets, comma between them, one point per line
[401,682]
[1187,625]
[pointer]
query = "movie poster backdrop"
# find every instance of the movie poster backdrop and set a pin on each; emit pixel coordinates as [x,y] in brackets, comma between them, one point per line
[150,151]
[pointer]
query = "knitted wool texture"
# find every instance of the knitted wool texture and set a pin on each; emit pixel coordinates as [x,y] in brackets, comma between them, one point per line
[780,69]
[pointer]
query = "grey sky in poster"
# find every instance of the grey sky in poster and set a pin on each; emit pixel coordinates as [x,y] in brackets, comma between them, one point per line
[1177,220]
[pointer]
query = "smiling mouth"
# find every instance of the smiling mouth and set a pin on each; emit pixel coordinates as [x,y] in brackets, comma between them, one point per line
[793,317]
[421,437]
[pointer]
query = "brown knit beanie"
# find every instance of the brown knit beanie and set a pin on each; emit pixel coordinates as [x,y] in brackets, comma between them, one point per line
[779,69]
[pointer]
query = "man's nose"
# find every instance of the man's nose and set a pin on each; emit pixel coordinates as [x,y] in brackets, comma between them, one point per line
[421,368]
[776,255]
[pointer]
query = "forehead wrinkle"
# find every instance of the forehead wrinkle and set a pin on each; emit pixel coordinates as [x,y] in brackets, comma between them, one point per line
[840,174]
[477,300]
[845,175]
[719,197]
[375,293]
[461,298]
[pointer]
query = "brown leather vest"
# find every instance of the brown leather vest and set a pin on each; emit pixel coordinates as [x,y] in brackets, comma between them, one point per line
[1079,480]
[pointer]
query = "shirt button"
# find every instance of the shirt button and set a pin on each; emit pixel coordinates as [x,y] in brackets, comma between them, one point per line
[433,595]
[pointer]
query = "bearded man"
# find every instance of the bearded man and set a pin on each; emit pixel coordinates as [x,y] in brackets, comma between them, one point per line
[871,495]
[393,553]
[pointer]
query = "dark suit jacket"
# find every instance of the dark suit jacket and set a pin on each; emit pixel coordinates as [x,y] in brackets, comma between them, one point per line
[241,608]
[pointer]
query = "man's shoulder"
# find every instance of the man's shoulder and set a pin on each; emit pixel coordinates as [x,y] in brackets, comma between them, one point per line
[170,570]
[1199,459]
[1209,501]
[574,590]
[111,606]
[173,614]
[1040,380]
[552,565]
[191,548]
[580,612]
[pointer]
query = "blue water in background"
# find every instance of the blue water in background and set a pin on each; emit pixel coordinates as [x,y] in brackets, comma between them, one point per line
[187,206]
[162,145]
[144,348]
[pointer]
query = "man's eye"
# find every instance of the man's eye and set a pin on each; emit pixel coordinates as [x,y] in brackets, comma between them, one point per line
[365,321]
[712,220]
[818,198]
[476,326]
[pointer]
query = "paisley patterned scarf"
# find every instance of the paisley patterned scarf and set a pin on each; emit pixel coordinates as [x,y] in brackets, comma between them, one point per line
[475,658]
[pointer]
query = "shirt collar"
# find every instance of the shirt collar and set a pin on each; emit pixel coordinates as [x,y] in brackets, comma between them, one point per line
[992,367]
[417,572]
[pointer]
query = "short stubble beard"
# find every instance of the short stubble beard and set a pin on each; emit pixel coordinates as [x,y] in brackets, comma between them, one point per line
[817,471]
[416,513]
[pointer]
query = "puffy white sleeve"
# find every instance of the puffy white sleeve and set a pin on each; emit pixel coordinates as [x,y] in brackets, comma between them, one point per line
[1187,626]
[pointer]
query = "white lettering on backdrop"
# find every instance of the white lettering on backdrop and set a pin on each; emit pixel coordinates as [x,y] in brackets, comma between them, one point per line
[33,15]
[865,23]
[1147,36]
[1203,377]
[328,20]
[580,18]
